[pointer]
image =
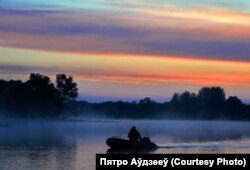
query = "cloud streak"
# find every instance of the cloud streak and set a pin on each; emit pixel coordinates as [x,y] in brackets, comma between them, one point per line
[166,34]
[129,69]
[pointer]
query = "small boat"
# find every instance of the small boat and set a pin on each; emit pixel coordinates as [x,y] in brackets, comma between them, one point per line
[117,143]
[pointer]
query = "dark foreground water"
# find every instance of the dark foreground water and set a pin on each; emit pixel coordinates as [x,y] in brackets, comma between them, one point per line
[69,145]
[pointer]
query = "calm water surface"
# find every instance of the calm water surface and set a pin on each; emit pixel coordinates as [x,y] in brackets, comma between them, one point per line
[69,145]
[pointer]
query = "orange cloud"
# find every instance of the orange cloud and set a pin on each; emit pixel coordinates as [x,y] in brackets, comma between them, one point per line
[199,79]
[134,69]
[207,14]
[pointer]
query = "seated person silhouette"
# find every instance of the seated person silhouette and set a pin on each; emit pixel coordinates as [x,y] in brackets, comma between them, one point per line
[134,135]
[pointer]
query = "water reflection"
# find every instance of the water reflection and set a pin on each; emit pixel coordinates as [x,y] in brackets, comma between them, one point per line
[73,145]
[34,147]
[130,151]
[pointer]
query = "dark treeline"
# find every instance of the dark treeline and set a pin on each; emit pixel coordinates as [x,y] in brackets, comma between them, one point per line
[210,103]
[39,97]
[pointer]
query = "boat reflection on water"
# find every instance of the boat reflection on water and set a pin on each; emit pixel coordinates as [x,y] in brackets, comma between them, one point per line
[118,145]
[131,151]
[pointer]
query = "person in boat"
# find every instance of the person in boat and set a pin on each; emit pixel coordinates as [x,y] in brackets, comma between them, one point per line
[134,135]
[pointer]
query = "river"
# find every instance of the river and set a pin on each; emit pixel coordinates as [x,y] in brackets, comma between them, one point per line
[72,144]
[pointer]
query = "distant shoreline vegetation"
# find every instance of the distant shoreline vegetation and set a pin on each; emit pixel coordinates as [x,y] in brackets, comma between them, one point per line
[38,98]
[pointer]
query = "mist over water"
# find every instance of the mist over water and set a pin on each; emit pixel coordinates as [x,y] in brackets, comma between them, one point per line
[73,144]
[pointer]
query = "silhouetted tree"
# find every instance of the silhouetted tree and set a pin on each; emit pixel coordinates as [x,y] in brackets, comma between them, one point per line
[184,103]
[45,97]
[37,97]
[146,107]
[175,99]
[146,101]
[234,106]
[67,87]
[211,100]
[234,101]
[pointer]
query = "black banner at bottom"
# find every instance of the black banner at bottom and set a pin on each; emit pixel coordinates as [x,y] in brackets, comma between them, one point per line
[163,161]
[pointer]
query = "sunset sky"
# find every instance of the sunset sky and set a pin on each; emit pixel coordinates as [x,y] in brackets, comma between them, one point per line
[127,50]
